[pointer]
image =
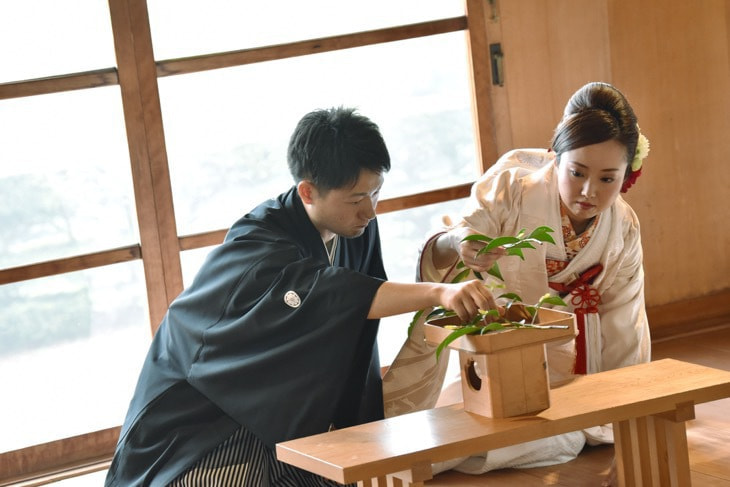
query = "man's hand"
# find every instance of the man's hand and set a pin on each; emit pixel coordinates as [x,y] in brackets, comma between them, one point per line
[466,298]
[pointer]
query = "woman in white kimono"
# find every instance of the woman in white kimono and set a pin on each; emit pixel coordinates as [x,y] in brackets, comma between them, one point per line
[596,264]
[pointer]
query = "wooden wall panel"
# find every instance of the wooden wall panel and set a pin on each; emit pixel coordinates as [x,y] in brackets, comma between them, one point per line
[578,47]
[498,93]
[551,47]
[525,41]
[671,59]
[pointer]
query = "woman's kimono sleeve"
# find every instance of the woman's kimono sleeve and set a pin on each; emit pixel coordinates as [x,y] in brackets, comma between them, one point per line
[492,210]
[624,325]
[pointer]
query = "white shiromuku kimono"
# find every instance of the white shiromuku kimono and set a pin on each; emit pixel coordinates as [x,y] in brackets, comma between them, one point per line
[521,192]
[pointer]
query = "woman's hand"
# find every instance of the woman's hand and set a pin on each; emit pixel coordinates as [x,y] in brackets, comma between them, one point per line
[450,246]
[468,250]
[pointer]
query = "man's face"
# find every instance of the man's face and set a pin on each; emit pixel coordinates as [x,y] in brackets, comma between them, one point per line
[344,211]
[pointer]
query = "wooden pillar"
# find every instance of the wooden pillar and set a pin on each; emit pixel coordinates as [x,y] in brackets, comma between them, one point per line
[480,79]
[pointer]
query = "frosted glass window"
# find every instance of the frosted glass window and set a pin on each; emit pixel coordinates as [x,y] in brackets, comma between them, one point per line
[50,37]
[183,28]
[66,184]
[227,130]
[71,347]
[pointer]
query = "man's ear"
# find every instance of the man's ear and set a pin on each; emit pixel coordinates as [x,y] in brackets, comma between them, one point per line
[306,191]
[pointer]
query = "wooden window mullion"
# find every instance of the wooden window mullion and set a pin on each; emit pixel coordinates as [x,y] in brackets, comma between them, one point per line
[148,157]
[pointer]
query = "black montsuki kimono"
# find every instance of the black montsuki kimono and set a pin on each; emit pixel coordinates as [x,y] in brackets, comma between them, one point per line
[269,336]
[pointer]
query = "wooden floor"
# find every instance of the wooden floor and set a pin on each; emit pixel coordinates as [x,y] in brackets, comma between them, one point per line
[708,434]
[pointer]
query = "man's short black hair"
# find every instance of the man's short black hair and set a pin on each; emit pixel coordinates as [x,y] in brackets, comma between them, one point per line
[330,147]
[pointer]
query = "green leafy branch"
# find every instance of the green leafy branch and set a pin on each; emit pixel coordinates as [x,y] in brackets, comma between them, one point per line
[479,325]
[513,246]
[491,320]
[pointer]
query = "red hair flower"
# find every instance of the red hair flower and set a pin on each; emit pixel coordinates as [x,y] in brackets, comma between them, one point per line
[630,180]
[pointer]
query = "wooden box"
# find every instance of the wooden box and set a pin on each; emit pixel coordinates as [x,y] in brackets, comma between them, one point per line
[504,373]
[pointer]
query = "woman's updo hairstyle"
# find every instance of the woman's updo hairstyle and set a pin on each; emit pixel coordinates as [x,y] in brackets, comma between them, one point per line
[595,113]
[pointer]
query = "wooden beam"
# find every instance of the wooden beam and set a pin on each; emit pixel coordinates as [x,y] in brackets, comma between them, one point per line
[204,239]
[70,264]
[194,64]
[313,46]
[83,453]
[148,156]
[56,84]
[425,198]
[215,237]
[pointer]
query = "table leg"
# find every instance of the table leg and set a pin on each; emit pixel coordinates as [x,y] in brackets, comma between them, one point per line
[652,450]
[672,449]
[374,482]
[414,477]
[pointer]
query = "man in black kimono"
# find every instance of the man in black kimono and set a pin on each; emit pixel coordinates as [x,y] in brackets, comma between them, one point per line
[276,337]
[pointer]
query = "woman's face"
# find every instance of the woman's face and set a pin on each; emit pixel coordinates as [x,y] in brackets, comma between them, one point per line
[590,179]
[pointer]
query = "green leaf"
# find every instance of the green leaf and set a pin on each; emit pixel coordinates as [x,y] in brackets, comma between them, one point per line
[460,276]
[511,296]
[498,242]
[542,234]
[478,275]
[494,271]
[491,312]
[453,336]
[554,300]
[523,244]
[414,320]
[495,326]
[439,312]
[475,321]
[476,237]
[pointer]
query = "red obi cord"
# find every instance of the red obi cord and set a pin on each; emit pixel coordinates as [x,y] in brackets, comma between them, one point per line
[585,299]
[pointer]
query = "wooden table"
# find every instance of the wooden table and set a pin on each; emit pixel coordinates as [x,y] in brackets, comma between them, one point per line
[647,403]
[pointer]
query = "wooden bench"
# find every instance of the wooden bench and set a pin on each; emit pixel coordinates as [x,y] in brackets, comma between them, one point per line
[647,404]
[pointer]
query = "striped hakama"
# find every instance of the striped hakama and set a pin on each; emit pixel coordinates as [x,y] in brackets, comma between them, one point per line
[243,460]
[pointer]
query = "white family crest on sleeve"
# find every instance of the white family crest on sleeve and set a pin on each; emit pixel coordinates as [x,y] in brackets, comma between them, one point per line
[292,299]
